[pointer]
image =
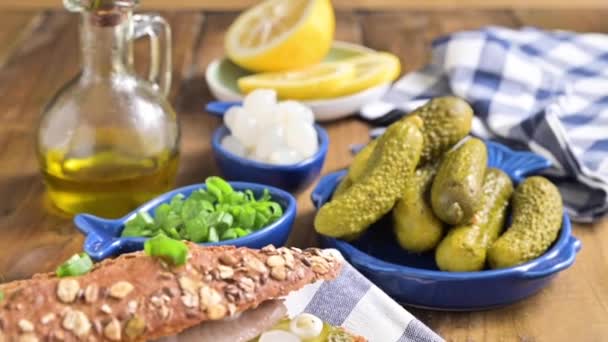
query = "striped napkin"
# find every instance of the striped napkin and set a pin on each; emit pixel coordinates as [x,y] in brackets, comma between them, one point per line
[546,91]
[353,302]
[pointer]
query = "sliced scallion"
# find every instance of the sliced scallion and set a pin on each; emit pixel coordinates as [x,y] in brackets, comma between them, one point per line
[172,251]
[213,237]
[78,264]
[207,215]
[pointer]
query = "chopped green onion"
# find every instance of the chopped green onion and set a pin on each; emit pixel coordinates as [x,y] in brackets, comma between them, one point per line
[1,296]
[242,232]
[207,215]
[197,230]
[219,188]
[213,235]
[229,234]
[172,251]
[78,264]
[247,217]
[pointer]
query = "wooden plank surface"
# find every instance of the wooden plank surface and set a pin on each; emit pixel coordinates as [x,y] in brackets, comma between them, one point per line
[222,5]
[35,237]
[15,28]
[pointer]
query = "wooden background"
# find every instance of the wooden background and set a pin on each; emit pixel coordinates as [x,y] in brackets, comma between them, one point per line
[39,53]
[341,4]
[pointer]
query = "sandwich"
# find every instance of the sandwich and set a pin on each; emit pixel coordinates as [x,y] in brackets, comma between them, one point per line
[217,294]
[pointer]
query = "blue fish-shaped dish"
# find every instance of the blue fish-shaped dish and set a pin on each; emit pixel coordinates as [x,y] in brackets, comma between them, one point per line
[414,279]
[102,236]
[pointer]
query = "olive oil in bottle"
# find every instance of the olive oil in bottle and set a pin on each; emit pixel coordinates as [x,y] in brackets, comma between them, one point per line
[107,183]
[108,140]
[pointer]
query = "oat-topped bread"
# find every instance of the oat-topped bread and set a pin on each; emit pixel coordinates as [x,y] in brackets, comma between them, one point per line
[136,297]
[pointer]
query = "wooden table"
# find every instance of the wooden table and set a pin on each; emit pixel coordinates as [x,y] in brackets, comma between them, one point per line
[39,53]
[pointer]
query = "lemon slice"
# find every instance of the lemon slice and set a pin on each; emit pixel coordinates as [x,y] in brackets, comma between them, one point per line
[371,70]
[319,81]
[281,35]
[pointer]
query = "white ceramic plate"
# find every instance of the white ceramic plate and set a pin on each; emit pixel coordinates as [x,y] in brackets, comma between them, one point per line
[222,76]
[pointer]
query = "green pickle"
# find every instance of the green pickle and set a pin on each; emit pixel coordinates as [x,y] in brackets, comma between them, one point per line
[344,184]
[360,162]
[537,220]
[356,168]
[447,120]
[465,247]
[457,186]
[415,225]
[393,161]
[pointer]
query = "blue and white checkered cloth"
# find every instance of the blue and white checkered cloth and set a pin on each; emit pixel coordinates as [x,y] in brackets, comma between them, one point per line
[544,91]
[353,302]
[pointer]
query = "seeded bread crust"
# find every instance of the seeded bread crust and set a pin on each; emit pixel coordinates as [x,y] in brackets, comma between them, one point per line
[137,298]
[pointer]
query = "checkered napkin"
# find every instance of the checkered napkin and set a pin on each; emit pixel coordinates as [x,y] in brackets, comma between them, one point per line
[543,91]
[353,302]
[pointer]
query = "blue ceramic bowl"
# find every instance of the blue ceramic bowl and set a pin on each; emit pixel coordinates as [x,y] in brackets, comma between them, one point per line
[102,236]
[414,279]
[292,178]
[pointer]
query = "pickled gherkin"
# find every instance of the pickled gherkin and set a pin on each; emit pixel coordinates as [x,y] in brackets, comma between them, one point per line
[393,161]
[360,162]
[344,184]
[415,225]
[457,186]
[447,120]
[537,220]
[465,247]
[356,169]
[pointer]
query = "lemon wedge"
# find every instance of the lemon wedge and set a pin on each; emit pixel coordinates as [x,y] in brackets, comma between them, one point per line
[278,35]
[319,81]
[371,70]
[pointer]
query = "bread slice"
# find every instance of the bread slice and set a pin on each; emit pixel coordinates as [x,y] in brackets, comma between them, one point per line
[136,297]
[244,328]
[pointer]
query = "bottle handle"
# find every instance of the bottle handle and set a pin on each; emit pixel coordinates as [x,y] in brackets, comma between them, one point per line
[158,30]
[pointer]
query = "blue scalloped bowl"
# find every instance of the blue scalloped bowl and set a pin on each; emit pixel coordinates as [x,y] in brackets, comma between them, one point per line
[292,178]
[102,236]
[414,279]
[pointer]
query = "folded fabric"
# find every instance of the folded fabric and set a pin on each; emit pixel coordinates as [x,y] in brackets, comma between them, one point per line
[353,302]
[543,91]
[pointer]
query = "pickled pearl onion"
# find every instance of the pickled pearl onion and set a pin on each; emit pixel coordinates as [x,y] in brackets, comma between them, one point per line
[306,326]
[278,336]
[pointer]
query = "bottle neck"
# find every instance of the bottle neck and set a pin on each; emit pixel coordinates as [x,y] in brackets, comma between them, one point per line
[106,45]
